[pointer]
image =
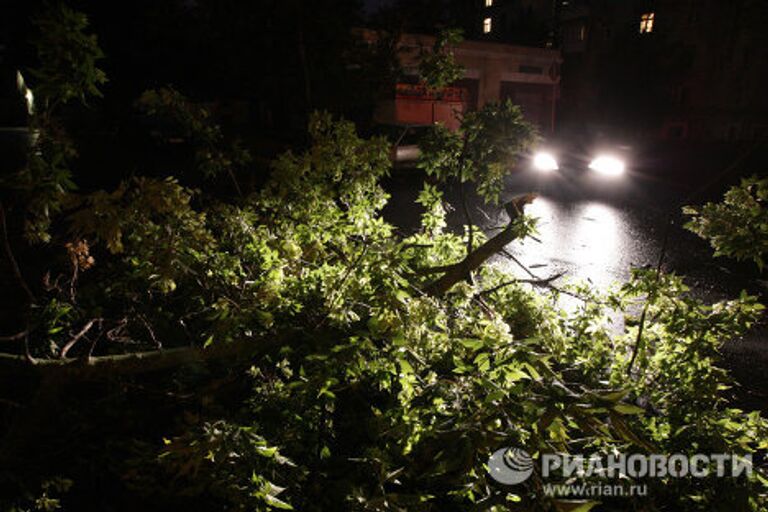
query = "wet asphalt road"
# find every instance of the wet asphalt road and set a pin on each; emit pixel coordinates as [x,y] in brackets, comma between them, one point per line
[596,229]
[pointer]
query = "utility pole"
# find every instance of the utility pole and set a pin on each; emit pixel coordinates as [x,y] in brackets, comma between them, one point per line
[554,24]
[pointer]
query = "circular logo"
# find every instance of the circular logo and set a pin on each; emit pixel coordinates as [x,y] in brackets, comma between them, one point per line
[510,466]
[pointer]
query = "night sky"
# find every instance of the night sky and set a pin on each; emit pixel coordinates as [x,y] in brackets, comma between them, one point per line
[372,5]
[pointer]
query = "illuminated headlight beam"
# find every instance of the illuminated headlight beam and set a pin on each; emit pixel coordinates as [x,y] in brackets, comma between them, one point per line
[29,97]
[608,166]
[545,162]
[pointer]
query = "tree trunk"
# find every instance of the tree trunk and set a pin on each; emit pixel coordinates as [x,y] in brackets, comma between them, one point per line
[459,271]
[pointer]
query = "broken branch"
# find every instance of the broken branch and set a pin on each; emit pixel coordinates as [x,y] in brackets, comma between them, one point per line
[535,282]
[12,259]
[458,272]
[15,337]
[77,337]
[136,363]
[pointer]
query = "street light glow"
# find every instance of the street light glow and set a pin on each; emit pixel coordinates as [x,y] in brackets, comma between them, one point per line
[545,162]
[608,165]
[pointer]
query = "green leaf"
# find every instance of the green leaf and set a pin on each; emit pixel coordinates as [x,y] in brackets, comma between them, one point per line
[277,503]
[611,396]
[628,409]
[483,362]
[575,505]
[472,343]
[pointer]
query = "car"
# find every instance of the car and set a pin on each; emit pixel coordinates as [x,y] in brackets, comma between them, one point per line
[15,105]
[573,157]
[575,163]
[599,157]
[405,140]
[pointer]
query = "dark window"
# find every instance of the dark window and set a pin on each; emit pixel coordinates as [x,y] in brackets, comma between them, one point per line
[531,70]
[472,87]
[693,13]
[676,131]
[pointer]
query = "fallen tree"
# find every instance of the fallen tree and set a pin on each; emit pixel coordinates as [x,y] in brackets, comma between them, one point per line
[111,366]
[311,359]
[478,256]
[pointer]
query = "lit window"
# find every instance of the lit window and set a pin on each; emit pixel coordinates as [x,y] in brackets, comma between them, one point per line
[487,25]
[646,22]
[489,3]
[583,33]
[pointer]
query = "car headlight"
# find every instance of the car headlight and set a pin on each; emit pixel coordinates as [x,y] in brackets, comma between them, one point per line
[545,162]
[608,165]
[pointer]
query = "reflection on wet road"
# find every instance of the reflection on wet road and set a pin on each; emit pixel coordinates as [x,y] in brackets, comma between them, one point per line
[588,240]
[600,239]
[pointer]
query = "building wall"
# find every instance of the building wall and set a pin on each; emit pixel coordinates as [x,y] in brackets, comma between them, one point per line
[520,22]
[712,58]
[700,74]
[721,95]
[528,76]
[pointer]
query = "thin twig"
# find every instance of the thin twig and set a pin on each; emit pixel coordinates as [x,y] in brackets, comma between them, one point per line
[435,270]
[468,219]
[535,282]
[27,352]
[479,255]
[114,334]
[77,337]
[73,281]
[519,263]
[341,283]
[462,192]
[405,247]
[157,342]
[15,337]
[412,286]
[93,344]
[138,362]
[536,279]
[234,182]
[639,342]
[11,258]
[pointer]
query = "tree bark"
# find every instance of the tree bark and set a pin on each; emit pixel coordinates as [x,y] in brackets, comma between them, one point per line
[458,272]
[132,364]
[52,380]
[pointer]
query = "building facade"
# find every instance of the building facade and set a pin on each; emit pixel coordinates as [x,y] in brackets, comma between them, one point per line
[698,67]
[528,76]
[721,94]
[690,70]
